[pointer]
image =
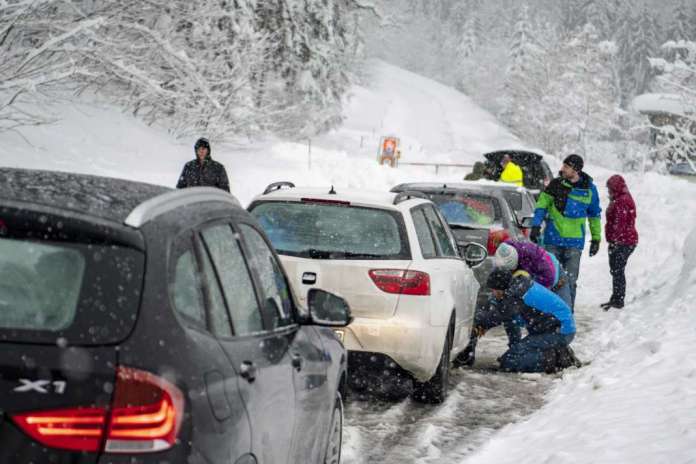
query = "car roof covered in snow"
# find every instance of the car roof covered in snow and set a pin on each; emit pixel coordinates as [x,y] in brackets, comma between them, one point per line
[102,197]
[666,103]
[484,186]
[378,198]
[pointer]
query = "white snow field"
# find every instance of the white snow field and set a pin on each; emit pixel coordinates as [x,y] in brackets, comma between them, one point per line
[634,403]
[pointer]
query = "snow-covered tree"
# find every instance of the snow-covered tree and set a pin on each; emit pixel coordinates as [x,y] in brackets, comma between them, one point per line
[582,99]
[639,41]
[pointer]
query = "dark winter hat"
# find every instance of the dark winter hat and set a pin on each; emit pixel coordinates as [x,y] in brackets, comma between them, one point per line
[499,279]
[574,161]
[202,142]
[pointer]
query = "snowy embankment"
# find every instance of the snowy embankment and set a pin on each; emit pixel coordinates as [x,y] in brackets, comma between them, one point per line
[635,402]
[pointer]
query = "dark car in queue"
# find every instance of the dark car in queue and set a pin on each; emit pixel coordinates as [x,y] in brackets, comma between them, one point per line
[536,172]
[140,324]
[480,212]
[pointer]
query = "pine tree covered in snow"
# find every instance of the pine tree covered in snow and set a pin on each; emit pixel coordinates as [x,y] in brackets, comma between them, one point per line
[582,99]
[639,41]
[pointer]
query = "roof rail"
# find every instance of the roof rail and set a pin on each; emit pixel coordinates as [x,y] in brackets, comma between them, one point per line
[278,186]
[408,194]
[156,206]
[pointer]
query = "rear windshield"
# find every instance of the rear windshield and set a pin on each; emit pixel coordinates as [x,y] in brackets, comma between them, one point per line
[467,209]
[330,231]
[80,293]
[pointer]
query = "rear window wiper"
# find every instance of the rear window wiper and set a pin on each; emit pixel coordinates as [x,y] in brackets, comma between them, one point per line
[462,226]
[337,254]
[349,254]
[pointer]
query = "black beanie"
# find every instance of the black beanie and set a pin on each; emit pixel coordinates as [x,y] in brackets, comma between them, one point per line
[575,162]
[499,279]
[202,142]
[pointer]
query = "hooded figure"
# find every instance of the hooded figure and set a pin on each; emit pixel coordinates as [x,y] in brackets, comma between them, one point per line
[622,236]
[478,172]
[203,171]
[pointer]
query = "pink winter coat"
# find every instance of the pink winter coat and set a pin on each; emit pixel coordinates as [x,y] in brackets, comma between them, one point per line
[620,227]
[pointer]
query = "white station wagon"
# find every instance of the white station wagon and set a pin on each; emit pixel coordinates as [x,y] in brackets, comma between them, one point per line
[394,259]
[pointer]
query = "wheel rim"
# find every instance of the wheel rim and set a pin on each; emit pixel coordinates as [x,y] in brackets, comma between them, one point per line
[333,450]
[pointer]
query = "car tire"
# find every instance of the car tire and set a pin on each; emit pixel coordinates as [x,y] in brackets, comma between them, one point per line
[335,439]
[434,391]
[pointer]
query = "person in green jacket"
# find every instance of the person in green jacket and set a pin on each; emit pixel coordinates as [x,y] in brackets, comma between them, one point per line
[512,173]
[565,205]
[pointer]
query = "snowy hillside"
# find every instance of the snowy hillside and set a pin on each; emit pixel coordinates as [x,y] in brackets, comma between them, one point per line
[635,402]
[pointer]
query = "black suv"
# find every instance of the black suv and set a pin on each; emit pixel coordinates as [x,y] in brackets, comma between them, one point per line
[141,324]
[537,173]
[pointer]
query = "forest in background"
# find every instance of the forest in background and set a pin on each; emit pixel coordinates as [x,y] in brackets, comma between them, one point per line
[561,74]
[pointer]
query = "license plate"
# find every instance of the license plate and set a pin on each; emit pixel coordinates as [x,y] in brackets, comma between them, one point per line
[340,334]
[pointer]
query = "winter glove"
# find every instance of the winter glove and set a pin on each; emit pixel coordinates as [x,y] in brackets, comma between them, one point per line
[534,234]
[594,247]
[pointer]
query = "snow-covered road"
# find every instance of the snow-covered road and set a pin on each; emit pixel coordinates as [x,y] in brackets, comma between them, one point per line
[481,401]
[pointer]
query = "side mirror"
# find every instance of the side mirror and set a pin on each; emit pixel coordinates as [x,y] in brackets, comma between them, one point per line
[473,253]
[327,309]
[526,222]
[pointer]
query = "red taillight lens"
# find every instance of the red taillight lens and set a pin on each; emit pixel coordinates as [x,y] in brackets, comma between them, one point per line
[495,238]
[79,429]
[146,413]
[145,416]
[401,281]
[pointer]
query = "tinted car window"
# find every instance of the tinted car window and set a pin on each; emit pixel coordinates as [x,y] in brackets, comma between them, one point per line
[186,289]
[39,285]
[446,248]
[86,293]
[223,249]
[277,305]
[425,238]
[466,209]
[331,231]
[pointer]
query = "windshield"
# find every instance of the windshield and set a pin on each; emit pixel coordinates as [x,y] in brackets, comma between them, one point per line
[462,208]
[330,231]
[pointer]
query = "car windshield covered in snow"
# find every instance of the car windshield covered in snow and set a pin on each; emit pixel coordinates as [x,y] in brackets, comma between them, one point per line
[332,231]
[466,209]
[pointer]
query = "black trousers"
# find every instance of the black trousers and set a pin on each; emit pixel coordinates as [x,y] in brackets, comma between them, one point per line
[618,257]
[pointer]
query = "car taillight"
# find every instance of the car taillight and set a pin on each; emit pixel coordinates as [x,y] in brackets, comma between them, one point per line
[145,416]
[146,413]
[495,238]
[401,281]
[80,429]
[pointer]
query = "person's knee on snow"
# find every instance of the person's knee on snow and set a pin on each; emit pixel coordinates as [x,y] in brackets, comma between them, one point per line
[549,321]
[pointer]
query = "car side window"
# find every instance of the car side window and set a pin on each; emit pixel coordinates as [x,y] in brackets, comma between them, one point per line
[224,251]
[186,286]
[425,238]
[277,303]
[443,239]
[219,319]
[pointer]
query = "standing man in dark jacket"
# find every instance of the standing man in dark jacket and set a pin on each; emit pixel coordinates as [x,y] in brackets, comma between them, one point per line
[203,171]
[566,204]
[622,236]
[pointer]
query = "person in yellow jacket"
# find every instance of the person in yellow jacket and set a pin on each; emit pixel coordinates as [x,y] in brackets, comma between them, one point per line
[512,173]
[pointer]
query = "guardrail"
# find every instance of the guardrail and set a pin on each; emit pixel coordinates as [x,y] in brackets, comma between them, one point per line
[436,165]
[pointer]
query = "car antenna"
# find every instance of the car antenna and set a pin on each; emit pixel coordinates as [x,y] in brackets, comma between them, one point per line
[332,191]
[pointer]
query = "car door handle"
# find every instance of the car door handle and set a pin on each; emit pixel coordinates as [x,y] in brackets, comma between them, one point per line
[297,361]
[309,278]
[248,371]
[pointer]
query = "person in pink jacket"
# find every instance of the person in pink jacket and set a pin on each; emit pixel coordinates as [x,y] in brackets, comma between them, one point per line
[622,236]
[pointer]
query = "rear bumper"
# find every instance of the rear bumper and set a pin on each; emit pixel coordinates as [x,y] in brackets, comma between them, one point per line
[414,345]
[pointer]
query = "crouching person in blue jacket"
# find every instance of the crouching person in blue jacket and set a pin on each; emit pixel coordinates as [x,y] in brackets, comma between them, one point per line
[547,318]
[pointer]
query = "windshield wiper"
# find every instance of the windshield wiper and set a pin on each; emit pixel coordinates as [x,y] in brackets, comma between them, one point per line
[462,226]
[337,254]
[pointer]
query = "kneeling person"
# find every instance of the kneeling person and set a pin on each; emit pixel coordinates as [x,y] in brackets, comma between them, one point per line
[548,319]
